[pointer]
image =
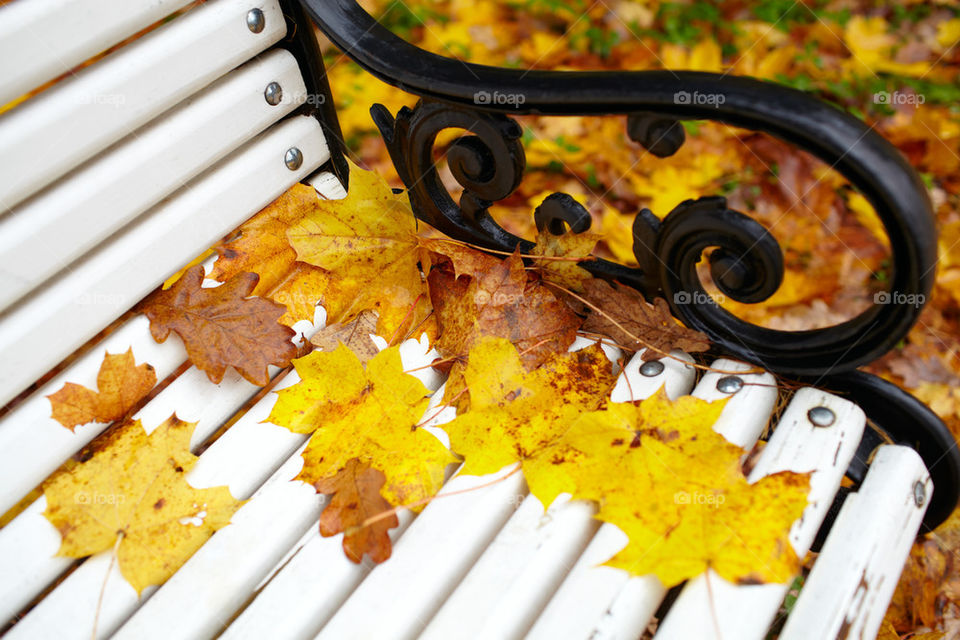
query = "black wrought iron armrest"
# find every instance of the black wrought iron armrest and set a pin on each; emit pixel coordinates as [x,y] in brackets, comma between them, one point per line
[746,261]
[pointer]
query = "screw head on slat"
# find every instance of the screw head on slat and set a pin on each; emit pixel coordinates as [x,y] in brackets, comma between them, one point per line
[273,94]
[255,20]
[821,416]
[919,493]
[651,369]
[729,384]
[293,158]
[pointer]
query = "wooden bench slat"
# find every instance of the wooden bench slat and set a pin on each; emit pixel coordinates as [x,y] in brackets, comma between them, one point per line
[70,310]
[60,128]
[746,612]
[42,39]
[856,573]
[72,215]
[597,601]
[514,578]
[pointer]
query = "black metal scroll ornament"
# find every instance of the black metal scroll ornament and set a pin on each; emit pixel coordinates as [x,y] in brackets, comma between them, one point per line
[745,260]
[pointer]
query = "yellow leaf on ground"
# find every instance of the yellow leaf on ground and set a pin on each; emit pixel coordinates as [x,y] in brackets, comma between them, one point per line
[689,506]
[121,383]
[133,485]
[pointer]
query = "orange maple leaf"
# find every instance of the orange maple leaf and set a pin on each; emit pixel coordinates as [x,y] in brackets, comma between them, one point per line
[121,383]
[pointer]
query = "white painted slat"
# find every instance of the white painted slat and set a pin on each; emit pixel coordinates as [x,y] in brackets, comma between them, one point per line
[746,612]
[199,599]
[42,39]
[71,216]
[513,579]
[307,590]
[50,134]
[851,584]
[602,602]
[72,308]
[398,597]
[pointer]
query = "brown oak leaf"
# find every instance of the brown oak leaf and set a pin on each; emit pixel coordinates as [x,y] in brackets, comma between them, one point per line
[355,498]
[121,383]
[221,326]
[622,314]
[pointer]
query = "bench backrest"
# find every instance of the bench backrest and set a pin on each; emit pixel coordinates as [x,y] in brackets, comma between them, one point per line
[119,174]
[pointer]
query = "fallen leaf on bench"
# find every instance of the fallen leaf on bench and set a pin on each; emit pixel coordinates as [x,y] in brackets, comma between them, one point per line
[633,323]
[355,497]
[121,383]
[660,473]
[369,239]
[355,335]
[130,492]
[368,415]
[221,326]
[514,414]
[503,301]
[573,248]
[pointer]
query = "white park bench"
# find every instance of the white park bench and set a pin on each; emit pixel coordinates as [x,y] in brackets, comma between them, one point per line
[114,178]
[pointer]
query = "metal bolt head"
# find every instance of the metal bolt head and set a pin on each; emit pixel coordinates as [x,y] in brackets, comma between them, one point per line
[729,384]
[651,368]
[273,94]
[293,158]
[821,417]
[255,20]
[919,493]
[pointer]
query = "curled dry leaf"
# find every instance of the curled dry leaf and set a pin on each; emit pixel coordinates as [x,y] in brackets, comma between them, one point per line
[560,256]
[687,492]
[633,323]
[121,383]
[503,301]
[355,335]
[134,485]
[355,498]
[221,326]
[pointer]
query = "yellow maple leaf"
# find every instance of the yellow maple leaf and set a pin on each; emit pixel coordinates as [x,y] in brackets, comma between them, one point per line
[872,46]
[133,486]
[571,248]
[514,414]
[367,237]
[369,414]
[688,507]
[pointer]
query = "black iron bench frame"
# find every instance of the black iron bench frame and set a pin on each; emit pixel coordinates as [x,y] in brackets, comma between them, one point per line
[746,261]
